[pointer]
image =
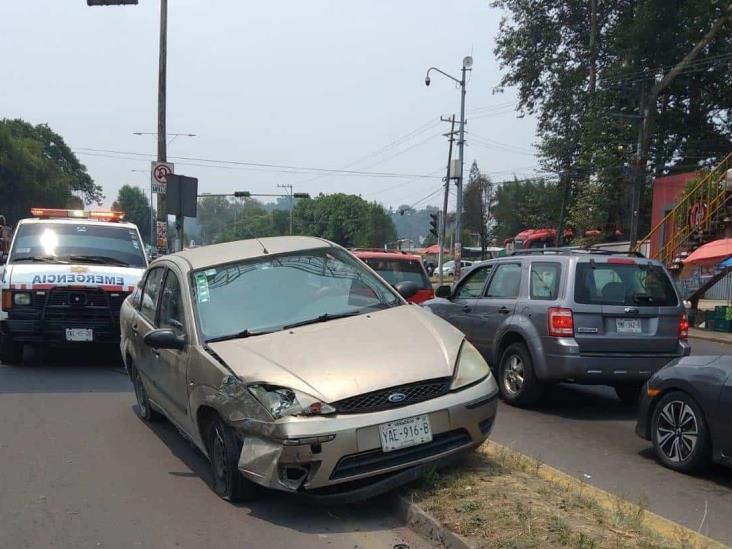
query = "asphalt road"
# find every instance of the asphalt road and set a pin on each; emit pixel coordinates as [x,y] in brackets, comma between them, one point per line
[78,469]
[588,433]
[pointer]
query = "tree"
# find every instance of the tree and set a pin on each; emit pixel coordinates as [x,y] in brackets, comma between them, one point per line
[133,201]
[477,197]
[606,76]
[525,204]
[37,168]
[215,214]
[346,219]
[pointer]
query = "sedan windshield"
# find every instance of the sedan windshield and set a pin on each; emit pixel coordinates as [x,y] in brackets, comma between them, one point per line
[108,244]
[266,294]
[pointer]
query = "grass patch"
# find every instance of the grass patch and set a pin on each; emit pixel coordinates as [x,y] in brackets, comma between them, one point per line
[498,498]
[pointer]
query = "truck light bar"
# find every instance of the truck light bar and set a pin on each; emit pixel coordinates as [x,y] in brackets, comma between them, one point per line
[102,215]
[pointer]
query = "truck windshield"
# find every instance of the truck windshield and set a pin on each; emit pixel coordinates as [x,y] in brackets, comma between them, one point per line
[78,243]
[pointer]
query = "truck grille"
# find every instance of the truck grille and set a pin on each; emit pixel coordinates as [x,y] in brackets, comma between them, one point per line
[83,307]
[376,460]
[379,400]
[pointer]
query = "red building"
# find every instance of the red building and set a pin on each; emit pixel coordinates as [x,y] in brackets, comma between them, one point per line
[665,192]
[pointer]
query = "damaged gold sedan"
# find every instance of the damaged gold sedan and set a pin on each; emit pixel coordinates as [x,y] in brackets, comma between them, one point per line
[292,365]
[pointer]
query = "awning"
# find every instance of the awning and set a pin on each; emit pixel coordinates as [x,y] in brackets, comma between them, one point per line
[716,250]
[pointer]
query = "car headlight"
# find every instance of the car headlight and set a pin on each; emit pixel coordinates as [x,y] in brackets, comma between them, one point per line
[22,298]
[281,401]
[471,367]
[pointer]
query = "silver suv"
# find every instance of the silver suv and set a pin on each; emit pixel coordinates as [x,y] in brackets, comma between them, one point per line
[545,316]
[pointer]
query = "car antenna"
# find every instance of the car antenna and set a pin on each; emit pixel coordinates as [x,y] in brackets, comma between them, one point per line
[264,250]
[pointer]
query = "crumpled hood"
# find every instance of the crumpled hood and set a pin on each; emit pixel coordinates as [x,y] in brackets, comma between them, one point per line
[39,276]
[349,356]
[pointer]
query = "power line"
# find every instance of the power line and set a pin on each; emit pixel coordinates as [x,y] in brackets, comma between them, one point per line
[217,163]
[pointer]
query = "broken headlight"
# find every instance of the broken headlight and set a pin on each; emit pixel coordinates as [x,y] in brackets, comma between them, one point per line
[281,401]
[471,367]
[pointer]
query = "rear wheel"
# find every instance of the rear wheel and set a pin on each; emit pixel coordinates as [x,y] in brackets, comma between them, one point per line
[629,393]
[681,437]
[144,408]
[11,352]
[517,381]
[224,449]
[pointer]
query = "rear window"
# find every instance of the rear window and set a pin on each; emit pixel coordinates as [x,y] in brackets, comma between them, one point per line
[395,271]
[619,284]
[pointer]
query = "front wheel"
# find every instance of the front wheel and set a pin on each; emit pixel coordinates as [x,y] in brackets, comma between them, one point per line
[680,434]
[517,381]
[224,449]
[144,407]
[11,352]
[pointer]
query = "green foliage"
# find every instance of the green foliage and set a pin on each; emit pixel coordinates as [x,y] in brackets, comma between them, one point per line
[585,87]
[134,202]
[414,224]
[477,198]
[525,204]
[37,168]
[346,219]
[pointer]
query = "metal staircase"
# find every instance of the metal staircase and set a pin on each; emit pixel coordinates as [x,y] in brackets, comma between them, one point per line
[698,217]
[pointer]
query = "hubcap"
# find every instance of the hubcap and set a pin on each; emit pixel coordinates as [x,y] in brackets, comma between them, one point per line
[513,375]
[677,432]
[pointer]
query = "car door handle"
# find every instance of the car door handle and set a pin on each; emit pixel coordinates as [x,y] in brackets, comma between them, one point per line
[466,308]
[504,310]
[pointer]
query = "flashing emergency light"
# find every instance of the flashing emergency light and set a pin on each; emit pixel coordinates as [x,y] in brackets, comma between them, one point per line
[101,215]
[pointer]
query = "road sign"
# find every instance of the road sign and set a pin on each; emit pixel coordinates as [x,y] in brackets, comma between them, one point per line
[158,172]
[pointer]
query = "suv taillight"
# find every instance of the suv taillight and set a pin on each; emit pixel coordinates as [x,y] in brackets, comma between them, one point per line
[561,322]
[683,326]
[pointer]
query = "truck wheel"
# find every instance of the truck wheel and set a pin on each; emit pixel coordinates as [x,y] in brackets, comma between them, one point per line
[224,450]
[517,381]
[11,352]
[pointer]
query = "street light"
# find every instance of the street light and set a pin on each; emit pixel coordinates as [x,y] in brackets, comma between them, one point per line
[467,66]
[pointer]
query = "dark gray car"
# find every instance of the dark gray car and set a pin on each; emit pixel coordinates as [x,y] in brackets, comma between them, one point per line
[546,316]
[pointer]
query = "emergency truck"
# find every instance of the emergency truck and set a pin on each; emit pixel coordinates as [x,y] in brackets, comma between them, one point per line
[65,278]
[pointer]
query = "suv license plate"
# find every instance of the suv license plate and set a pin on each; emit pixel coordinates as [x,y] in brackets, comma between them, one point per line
[405,432]
[79,334]
[628,325]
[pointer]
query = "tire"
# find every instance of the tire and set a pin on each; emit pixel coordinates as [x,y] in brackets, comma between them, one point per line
[144,407]
[629,393]
[516,379]
[11,352]
[224,450]
[680,434]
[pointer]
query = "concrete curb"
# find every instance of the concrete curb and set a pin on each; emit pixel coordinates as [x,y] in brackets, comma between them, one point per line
[662,525]
[708,336]
[428,526]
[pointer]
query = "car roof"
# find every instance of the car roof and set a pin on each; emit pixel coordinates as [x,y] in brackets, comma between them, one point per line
[76,221]
[241,250]
[386,254]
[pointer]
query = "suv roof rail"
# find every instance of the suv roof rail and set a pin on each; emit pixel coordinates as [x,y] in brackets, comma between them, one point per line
[589,250]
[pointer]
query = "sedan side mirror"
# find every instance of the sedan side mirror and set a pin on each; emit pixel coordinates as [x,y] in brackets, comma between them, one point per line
[443,291]
[165,339]
[406,289]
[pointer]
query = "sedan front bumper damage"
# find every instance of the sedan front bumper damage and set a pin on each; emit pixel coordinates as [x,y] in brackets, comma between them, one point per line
[340,457]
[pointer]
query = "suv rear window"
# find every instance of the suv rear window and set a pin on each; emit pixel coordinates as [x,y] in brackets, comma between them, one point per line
[621,284]
[395,271]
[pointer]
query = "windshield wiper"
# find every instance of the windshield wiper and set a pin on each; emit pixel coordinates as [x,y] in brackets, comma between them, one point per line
[102,259]
[643,297]
[239,335]
[325,317]
[41,259]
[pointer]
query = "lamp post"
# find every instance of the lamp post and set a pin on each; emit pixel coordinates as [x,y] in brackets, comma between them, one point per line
[467,66]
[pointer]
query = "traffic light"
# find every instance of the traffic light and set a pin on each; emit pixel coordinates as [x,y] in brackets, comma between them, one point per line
[301,195]
[242,194]
[433,224]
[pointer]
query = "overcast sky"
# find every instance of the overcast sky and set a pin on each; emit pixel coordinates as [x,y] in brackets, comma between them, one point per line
[329,84]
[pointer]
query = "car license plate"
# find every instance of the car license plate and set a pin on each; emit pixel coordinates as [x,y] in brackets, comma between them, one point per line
[79,334]
[628,325]
[405,432]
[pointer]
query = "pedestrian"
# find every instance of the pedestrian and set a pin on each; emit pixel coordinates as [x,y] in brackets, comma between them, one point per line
[6,235]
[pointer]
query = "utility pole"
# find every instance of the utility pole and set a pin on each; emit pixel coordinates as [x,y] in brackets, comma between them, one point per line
[443,221]
[461,146]
[288,187]
[162,87]
[639,173]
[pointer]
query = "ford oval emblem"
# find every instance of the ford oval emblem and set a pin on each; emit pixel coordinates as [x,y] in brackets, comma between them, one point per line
[396,397]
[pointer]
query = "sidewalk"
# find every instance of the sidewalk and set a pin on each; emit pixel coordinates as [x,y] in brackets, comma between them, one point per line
[708,335]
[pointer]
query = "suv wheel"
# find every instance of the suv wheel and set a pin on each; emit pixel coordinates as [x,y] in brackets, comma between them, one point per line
[680,434]
[517,381]
[11,352]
